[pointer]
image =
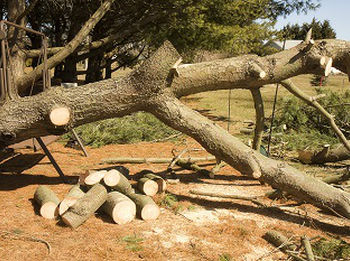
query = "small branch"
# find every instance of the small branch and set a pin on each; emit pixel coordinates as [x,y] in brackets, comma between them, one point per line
[289,85]
[260,116]
[308,249]
[308,36]
[13,235]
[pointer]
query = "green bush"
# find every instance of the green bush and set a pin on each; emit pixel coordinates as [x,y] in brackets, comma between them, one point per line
[129,129]
[306,127]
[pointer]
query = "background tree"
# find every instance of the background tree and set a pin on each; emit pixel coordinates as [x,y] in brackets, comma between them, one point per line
[235,26]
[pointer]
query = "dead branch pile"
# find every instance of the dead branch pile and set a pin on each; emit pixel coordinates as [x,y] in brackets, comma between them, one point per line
[106,191]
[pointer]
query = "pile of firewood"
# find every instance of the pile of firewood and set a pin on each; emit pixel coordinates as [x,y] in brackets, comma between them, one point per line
[109,191]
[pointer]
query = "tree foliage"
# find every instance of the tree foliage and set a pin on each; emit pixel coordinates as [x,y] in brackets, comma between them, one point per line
[320,30]
[235,26]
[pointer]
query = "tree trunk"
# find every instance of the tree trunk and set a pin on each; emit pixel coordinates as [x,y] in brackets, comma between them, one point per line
[85,206]
[94,72]
[48,202]
[155,86]
[119,207]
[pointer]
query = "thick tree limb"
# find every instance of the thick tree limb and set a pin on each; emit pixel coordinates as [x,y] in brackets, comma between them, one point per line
[236,72]
[291,87]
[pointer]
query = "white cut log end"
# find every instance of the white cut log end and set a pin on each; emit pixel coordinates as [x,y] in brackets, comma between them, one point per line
[60,116]
[49,210]
[150,188]
[262,75]
[112,178]
[124,212]
[65,205]
[95,177]
[150,212]
[323,61]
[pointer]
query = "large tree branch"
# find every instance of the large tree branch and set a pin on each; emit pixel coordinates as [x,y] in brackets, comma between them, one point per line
[246,71]
[27,79]
[150,88]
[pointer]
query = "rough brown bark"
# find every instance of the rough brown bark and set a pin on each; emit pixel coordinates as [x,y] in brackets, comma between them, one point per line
[85,206]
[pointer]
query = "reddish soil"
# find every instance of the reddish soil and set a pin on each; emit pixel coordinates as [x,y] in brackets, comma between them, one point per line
[197,228]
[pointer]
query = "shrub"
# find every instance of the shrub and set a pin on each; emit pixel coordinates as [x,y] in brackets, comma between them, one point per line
[129,129]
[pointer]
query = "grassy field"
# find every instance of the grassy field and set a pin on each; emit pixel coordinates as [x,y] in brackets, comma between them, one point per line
[215,104]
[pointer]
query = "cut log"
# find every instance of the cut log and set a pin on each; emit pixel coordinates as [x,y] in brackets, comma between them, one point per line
[123,160]
[146,208]
[279,240]
[60,116]
[147,186]
[73,195]
[339,153]
[119,207]
[48,202]
[95,177]
[122,185]
[160,181]
[112,178]
[85,206]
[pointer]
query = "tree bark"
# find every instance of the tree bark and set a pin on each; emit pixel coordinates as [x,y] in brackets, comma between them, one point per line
[154,88]
[85,206]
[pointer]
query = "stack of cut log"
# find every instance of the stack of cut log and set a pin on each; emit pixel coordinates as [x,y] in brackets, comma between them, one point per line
[108,191]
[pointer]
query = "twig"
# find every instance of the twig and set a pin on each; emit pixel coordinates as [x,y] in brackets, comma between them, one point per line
[14,235]
[168,138]
[292,88]
[308,249]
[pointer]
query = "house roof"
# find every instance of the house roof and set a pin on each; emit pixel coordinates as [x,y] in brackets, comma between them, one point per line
[289,44]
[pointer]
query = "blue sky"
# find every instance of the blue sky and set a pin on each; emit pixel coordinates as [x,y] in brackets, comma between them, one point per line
[336,11]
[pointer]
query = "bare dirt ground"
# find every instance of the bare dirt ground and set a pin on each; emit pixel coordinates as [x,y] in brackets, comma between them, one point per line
[199,228]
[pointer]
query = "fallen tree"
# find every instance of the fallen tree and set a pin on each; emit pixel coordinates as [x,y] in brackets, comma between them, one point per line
[156,87]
